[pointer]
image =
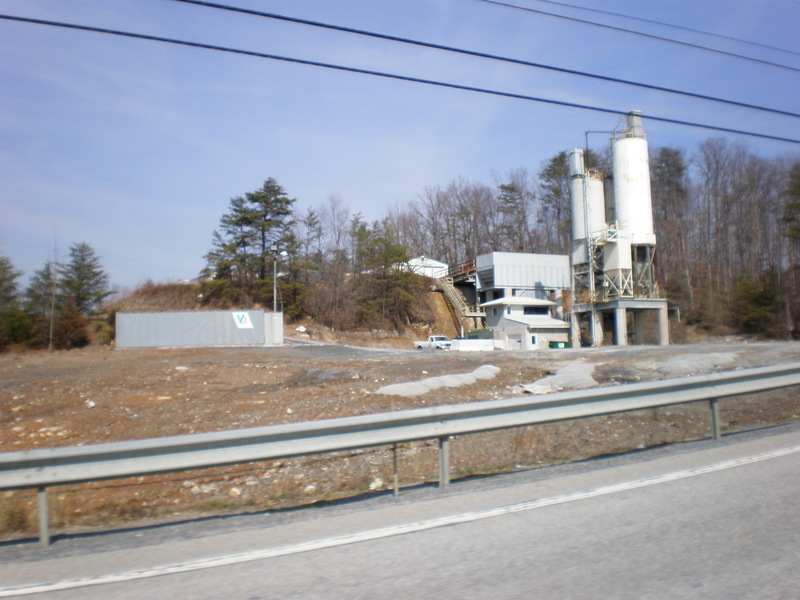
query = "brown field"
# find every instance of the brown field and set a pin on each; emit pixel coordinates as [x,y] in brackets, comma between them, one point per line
[99,395]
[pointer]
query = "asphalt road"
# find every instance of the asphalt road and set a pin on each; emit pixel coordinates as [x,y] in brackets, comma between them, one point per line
[700,520]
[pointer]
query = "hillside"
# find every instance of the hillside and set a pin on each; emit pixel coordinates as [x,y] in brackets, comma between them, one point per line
[189,296]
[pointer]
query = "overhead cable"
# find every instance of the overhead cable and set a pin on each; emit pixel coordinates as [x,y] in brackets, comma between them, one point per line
[642,34]
[385,75]
[477,54]
[670,25]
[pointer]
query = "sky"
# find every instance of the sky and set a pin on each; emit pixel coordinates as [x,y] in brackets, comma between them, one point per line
[136,147]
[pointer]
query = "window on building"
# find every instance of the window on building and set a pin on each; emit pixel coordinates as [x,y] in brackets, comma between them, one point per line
[536,310]
[533,340]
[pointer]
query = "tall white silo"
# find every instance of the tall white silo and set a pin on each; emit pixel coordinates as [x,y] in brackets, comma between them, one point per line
[614,243]
[632,203]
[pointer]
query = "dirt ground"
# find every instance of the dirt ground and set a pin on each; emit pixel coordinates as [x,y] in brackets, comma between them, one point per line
[100,394]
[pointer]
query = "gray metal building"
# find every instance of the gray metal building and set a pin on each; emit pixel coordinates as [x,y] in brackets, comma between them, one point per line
[192,329]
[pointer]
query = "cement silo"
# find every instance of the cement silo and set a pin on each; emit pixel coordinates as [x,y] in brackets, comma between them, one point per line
[633,207]
[588,221]
[613,247]
[587,198]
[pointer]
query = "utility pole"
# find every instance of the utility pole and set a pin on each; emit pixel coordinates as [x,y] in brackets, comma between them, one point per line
[274,249]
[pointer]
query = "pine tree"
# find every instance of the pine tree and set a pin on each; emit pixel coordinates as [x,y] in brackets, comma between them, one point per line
[83,280]
[8,300]
[256,227]
[42,300]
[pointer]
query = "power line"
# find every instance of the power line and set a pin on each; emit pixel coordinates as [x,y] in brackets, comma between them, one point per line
[642,34]
[477,54]
[385,75]
[671,25]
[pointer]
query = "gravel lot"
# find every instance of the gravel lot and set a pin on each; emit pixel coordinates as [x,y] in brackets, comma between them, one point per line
[100,395]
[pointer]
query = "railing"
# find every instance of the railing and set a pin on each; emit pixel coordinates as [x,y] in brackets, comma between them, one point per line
[463,268]
[55,466]
[457,300]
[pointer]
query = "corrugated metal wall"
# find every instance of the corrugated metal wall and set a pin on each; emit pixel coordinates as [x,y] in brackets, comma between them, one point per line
[198,329]
[520,270]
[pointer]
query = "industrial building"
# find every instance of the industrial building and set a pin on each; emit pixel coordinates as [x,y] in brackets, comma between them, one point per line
[603,291]
[516,298]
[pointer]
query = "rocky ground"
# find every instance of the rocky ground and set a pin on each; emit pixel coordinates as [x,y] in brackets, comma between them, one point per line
[100,395]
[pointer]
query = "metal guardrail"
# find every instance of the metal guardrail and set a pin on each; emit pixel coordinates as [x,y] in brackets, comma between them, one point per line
[55,466]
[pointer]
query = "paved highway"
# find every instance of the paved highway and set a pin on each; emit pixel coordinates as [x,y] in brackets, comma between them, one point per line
[701,520]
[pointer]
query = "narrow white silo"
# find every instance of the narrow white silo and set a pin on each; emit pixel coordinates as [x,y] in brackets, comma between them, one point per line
[633,206]
[586,198]
[576,194]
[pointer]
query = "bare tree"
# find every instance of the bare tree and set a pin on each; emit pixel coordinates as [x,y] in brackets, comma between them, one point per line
[672,222]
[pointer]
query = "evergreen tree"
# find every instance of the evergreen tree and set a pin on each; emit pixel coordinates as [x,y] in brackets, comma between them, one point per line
[41,295]
[73,327]
[8,300]
[42,300]
[83,280]
[256,227]
[8,284]
[755,305]
[310,253]
[385,292]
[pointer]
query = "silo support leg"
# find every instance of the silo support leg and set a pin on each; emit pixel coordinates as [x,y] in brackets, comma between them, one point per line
[597,328]
[621,326]
[575,331]
[663,327]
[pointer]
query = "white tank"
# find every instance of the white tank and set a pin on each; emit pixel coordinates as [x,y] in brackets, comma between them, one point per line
[575,162]
[632,203]
[585,191]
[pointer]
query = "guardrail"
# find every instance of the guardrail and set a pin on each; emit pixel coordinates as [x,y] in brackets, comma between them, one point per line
[45,467]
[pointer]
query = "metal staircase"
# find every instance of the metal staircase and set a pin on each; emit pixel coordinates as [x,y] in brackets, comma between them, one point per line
[459,309]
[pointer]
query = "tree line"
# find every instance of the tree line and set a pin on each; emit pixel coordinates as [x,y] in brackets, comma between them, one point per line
[55,309]
[329,264]
[727,223]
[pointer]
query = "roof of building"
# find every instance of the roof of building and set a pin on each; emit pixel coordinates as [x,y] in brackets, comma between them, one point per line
[519,301]
[539,322]
[426,261]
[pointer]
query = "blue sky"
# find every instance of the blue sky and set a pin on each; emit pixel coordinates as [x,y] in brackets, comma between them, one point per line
[137,147]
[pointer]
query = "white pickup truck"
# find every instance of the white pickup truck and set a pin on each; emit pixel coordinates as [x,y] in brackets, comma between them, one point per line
[434,342]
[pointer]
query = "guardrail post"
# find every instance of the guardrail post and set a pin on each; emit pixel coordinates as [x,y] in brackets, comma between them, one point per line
[395,471]
[715,425]
[444,461]
[44,516]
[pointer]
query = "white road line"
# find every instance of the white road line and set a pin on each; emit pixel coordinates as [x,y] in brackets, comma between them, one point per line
[374,534]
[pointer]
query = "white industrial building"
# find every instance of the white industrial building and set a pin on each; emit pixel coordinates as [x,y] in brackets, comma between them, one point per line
[427,267]
[521,295]
[525,323]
